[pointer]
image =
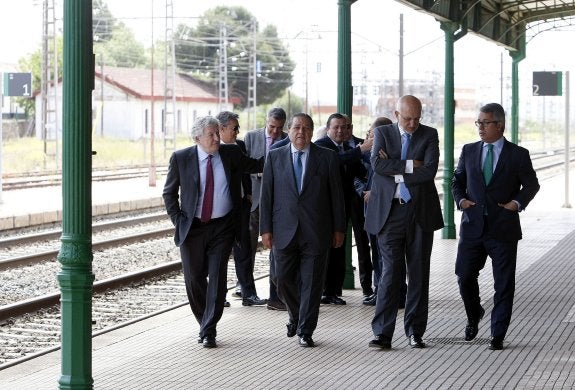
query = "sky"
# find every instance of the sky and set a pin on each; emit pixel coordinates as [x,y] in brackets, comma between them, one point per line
[309,29]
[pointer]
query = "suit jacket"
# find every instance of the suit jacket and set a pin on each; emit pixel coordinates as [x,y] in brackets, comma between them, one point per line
[350,167]
[318,210]
[424,146]
[246,179]
[513,179]
[255,141]
[182,187]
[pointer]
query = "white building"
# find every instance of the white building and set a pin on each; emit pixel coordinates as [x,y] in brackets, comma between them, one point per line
[125,110]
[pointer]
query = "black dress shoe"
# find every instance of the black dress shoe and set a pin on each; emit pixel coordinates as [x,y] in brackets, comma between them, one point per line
[415,341]
[306,341]
[291,329]
[237,294]
[210,342]
[472,327]
[276,305]
[370,302]
[380,341]
[496,344]
[200,340]
[332,300]
[226,304]
[401,304]
[254,300]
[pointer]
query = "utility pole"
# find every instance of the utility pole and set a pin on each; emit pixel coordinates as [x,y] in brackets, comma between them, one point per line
[400,91]
[170,125]
[223,70]
[49,104]
[152,169]
[252,80]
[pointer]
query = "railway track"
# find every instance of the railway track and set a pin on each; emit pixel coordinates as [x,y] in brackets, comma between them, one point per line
[41,179]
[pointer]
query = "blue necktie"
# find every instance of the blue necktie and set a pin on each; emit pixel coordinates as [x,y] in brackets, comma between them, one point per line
[298,170]
[488,164]
[403,191]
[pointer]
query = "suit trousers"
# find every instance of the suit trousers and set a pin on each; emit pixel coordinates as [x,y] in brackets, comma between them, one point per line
[300,274]
[403,243]
[361,244]
[205,253]
[471,257]
[335,273]
[255,234]
[242,250]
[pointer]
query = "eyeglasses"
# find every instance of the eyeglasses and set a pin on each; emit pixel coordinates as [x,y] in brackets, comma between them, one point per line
[484,123]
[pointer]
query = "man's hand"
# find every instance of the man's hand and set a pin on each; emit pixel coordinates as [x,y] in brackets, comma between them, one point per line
[337,239]
[366,145]
[511,206]
[417,163]
[382,154]
[366,196]
[466,203]
[267,240]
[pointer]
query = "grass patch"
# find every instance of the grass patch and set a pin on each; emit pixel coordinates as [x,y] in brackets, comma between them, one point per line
[27,155]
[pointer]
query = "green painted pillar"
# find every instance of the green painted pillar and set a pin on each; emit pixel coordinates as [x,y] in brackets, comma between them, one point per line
[75,276]
[345,102]
[517,57]
[449,131]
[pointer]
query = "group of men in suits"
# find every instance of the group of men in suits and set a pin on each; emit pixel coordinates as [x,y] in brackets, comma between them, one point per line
[302,211]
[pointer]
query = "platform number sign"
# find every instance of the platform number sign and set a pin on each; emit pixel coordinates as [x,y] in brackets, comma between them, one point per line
[18,84]
[547,83]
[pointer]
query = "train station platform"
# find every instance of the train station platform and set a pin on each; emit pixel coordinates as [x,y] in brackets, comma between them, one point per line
[253,351]
[42,205]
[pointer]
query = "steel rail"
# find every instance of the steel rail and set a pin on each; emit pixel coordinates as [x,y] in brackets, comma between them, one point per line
[44,301]
[19,261]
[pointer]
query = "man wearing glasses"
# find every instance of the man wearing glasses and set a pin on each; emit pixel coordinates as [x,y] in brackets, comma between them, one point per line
[403,210]
[229,129]
[493,182]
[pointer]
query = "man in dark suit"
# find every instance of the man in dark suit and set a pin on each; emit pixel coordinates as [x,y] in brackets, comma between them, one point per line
[350,166]
[493,182]
[202,195]
[301,217]
[403,211]
[258,144]
[229,129]
[357,216]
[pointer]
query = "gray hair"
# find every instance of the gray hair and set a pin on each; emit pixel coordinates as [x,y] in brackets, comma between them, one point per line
[277,113]
[225,116]
[203,123]
[496,110]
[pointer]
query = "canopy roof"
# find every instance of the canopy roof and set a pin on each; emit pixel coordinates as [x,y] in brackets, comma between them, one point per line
[503,21]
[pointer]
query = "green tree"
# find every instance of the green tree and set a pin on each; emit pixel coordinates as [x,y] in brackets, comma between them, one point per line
[121,49]
[33,64]
[103,21]
[292,104]
[198,53]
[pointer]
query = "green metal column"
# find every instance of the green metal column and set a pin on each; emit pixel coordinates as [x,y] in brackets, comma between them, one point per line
[517,57]
[75,276]
[449,130]
[345,101]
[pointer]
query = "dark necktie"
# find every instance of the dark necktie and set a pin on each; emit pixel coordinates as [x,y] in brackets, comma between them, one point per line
[298,170]
[208,203]
[488,164]
[403,191]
